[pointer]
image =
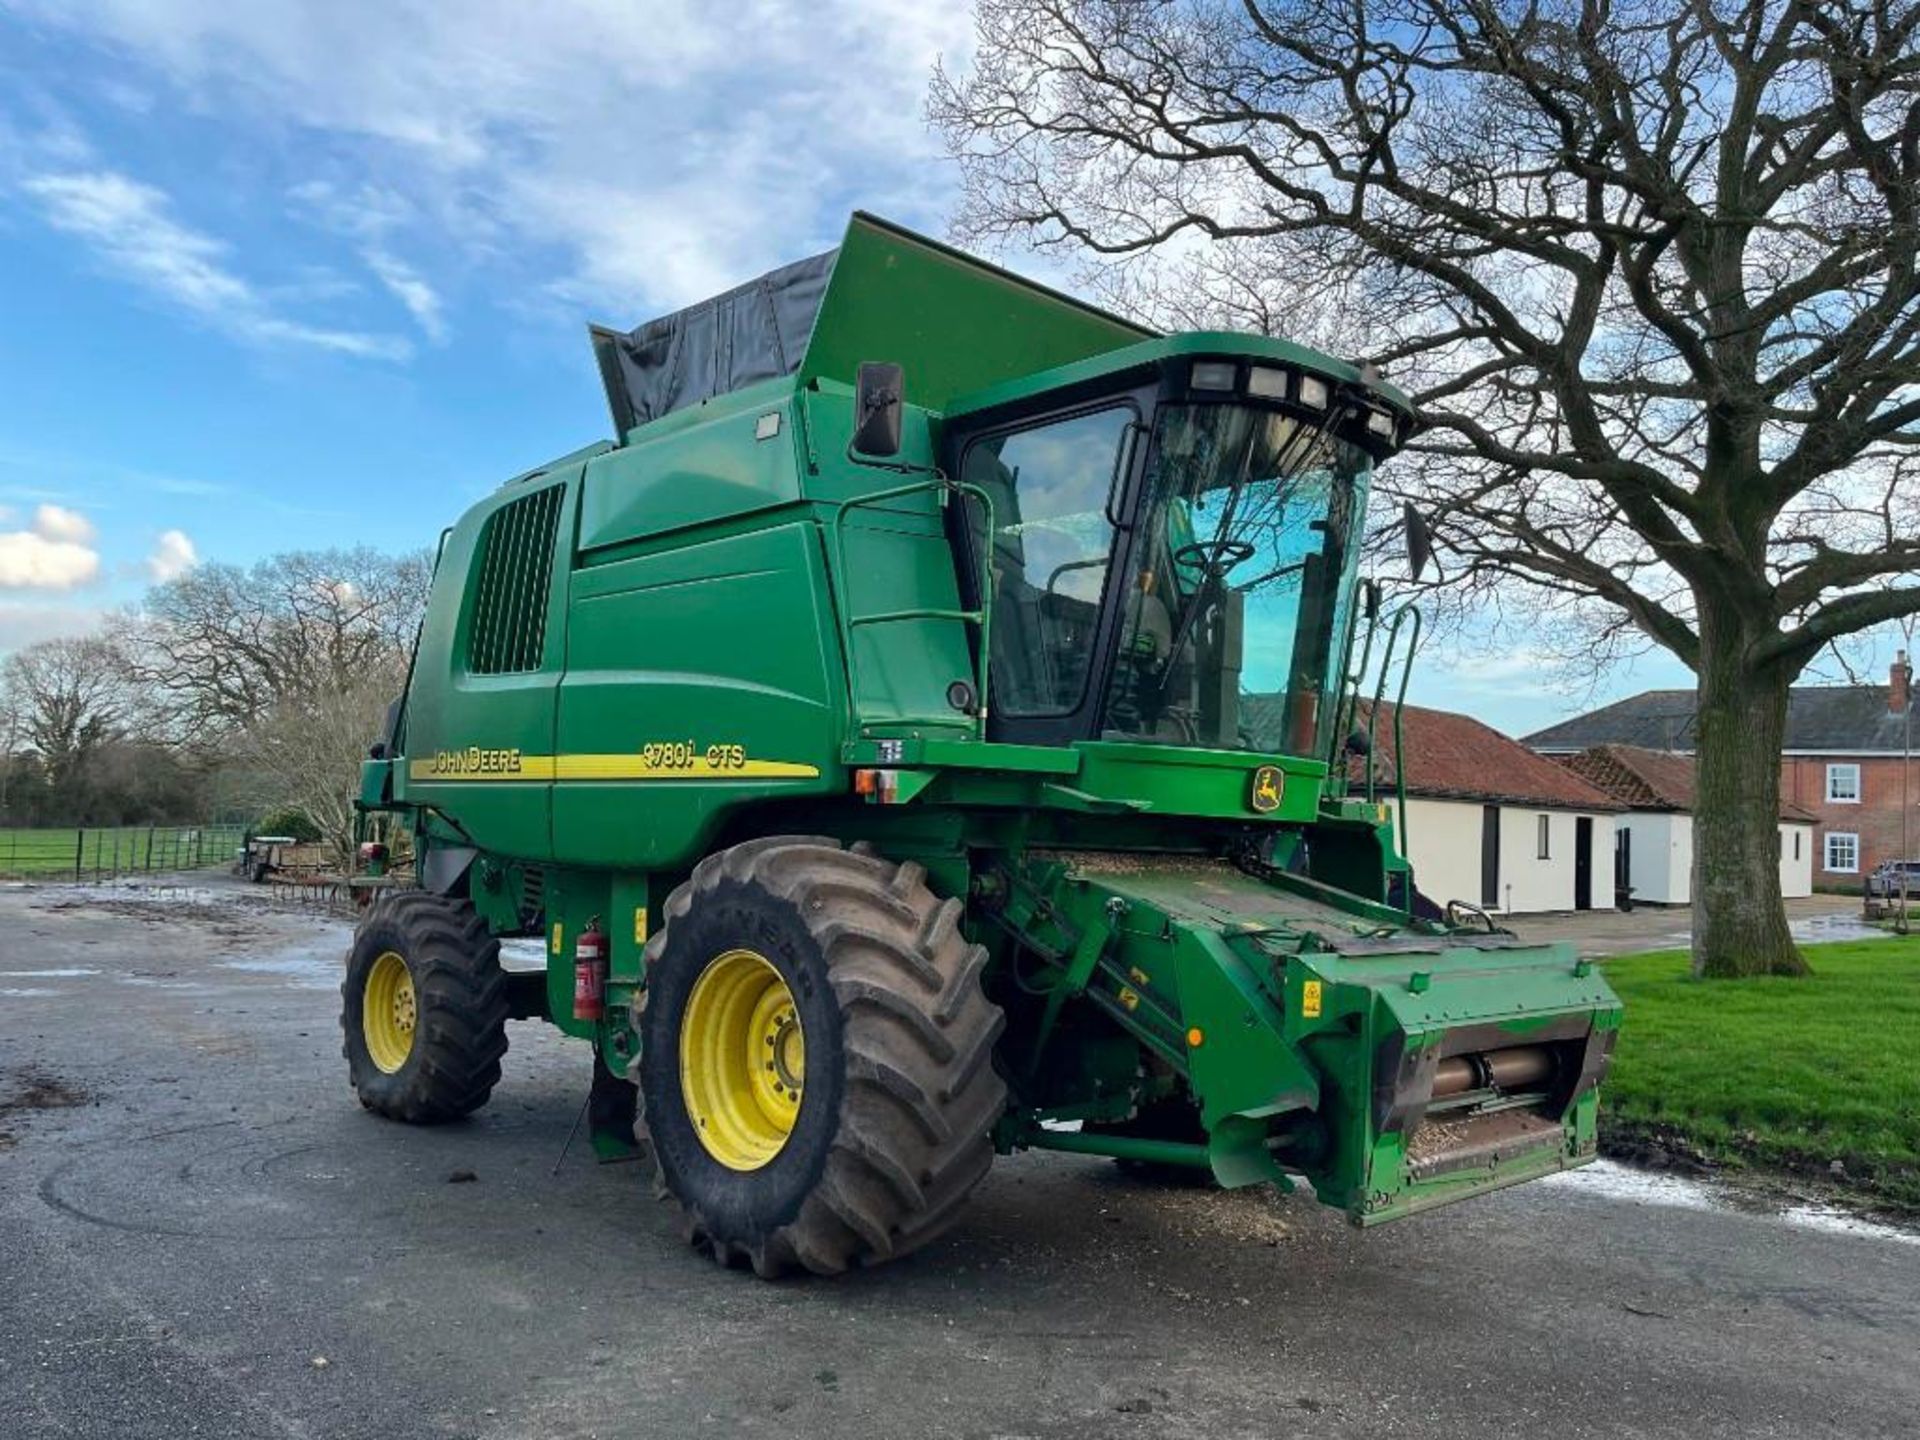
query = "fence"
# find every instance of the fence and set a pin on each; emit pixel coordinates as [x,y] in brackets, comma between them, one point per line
[94,853]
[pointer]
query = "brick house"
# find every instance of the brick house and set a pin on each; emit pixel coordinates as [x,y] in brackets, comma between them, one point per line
[1844,760]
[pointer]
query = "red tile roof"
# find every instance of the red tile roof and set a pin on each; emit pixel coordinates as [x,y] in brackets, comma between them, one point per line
[1454,757]
[1649,779]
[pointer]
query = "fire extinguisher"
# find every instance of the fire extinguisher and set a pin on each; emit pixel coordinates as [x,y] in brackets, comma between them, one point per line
[590,973]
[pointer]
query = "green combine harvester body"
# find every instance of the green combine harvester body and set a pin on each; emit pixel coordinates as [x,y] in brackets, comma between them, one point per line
[1011,697]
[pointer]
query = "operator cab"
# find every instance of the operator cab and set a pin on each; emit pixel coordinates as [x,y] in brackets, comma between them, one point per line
[1173,545]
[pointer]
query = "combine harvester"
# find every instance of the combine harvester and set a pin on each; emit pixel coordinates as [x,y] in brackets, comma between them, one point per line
[902,760]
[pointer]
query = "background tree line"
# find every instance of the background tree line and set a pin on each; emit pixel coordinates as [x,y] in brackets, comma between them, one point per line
[227,692]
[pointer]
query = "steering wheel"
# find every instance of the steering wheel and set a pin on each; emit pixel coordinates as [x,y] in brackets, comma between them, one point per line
[1213,557]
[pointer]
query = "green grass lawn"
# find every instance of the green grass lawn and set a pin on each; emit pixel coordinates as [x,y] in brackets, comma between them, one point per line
[1789,1074]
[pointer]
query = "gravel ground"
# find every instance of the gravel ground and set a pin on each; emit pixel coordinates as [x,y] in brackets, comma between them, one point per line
[201,1234]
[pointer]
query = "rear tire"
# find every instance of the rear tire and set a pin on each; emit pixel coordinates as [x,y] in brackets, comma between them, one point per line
[892,1126]
[424,1009]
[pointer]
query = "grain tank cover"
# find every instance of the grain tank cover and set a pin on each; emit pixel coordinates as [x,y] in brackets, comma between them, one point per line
[955,322]
[758,331]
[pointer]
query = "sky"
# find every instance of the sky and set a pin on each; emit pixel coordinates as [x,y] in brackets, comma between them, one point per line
[282,275]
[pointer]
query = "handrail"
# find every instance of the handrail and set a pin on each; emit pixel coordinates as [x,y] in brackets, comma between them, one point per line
[1399,618]
[981,618]
[1345,716]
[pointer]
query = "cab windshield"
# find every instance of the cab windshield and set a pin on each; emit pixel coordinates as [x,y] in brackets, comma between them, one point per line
[1237,591]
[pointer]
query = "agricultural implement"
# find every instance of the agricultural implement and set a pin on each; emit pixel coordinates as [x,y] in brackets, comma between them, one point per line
[932,729]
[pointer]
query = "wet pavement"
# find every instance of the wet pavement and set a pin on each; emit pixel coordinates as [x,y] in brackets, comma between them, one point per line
[205,1236]
[1814,920]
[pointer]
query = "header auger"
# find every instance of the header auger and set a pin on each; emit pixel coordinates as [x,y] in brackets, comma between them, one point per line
[925,726]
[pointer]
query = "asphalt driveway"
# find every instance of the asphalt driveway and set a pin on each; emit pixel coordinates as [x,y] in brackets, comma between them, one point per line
[204,1235]
[1813,918]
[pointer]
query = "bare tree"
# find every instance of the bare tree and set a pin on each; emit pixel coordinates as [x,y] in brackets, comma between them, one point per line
[65,698]
[74,747]
[283,669]
[1648,267]
[306,751]
[10,727]
[224,647]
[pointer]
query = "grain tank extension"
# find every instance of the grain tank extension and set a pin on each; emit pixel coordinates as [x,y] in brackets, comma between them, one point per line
[924,733]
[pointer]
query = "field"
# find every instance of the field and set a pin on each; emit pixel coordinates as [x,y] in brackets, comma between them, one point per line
[1796,1075]
[113,850]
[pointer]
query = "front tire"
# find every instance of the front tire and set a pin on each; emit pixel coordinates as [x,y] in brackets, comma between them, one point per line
[816,1062]
[424,1009]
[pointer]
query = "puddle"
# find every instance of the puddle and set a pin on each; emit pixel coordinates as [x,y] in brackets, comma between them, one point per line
[1614,1181]
[317,967]
[133,893]
[25,992]
[1808,930]
[529,952]
[72,974]
[1823,929]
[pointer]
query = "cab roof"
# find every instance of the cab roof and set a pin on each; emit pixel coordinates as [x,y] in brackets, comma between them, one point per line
[1192,344]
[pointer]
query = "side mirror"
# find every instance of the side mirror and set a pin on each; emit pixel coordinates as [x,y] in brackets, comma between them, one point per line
[877,402]
[1370,599]
[1419,539]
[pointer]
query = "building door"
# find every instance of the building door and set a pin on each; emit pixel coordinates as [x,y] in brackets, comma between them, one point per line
[1583,863]
[1622,860]
[1490,857]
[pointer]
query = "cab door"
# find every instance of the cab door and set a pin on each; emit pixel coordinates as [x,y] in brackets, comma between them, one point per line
[1053,482]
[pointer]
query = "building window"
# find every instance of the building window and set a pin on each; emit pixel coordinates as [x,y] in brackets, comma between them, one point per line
[1546,837]
[1843,852]
[1843,784]
[1796,844]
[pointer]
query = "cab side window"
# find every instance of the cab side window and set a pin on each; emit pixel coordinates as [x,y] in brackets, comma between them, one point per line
[1049,553]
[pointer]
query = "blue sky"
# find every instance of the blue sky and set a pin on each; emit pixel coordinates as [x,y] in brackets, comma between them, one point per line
[283,275]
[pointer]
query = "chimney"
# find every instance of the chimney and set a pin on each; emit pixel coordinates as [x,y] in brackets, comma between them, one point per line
[1899,684]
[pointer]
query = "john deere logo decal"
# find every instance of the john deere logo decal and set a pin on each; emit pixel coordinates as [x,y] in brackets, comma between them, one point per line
[1265,792]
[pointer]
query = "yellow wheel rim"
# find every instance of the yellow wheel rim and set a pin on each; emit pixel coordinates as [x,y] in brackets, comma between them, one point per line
[388,1012]
[743,1059]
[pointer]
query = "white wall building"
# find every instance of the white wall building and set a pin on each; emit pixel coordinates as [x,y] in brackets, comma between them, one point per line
[1492,824]
[1654,842]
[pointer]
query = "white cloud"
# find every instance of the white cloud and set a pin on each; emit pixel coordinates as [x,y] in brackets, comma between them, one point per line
[420,298]
[128,224]
[24,623]
[173,555]
[72,475]
[56,554]
[56,522]
[1479,671]
[629,157]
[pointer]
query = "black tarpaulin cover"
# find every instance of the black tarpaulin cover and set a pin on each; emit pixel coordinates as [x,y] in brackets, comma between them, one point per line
[758,331]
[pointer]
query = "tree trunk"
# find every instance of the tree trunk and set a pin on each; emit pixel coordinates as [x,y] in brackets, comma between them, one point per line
[1739,917]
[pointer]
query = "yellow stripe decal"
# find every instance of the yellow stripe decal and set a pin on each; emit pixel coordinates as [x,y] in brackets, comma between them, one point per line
[473,765]
[702,767]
